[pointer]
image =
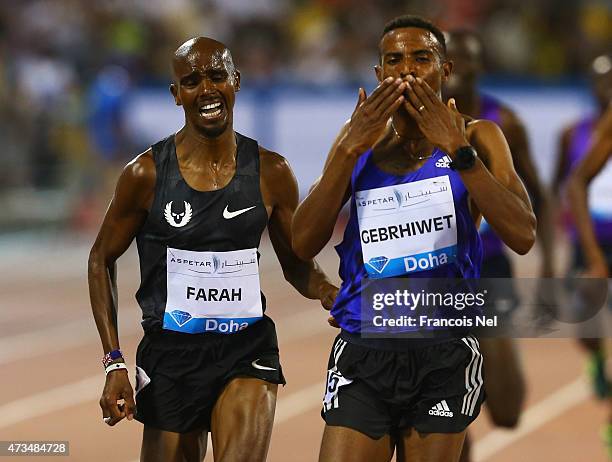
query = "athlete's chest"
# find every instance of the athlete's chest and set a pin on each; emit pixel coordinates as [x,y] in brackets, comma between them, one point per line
[210,178]
[185,217]
[435,170]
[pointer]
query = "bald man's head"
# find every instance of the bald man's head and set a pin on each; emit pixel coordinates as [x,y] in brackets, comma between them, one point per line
[202,53]
[205,83]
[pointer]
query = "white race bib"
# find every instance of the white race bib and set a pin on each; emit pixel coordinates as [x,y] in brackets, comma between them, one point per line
[212,291]
[408,227]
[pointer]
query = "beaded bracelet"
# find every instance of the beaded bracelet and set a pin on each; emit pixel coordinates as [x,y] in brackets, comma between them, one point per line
[111,356]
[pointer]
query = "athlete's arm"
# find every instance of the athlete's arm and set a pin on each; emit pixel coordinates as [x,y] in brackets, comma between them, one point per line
[280,190]
[497,191]
[516,135]
[124,217]
[578,181]
[315,217]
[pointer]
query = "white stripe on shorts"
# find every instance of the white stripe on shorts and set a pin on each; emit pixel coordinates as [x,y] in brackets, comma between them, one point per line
[473,377]
[337,352]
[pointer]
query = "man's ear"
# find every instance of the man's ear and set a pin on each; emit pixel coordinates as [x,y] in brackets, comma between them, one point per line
[379,72]
[237,80]
[447,70]
[175,94]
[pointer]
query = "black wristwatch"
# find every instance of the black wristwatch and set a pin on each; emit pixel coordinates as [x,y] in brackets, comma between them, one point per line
[465,158]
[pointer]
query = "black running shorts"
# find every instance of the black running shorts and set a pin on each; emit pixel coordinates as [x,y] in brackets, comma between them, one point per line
[434,389]
[180,376]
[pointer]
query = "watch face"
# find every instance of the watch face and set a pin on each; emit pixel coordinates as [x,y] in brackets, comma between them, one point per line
[465,158]
[467,154]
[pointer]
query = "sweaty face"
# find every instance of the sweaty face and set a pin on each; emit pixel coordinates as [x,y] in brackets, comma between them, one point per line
[465,53]
[205,85]
[412,51]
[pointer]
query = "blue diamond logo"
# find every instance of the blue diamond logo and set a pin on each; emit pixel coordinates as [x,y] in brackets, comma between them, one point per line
[180,317]
[378,263]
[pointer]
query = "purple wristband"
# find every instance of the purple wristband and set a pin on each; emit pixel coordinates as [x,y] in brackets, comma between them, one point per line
[110,357]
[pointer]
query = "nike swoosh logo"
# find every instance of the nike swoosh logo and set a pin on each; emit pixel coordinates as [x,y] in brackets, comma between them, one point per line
[227,214]
[263,368]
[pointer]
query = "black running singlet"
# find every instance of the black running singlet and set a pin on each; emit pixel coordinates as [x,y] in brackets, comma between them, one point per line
[203,237]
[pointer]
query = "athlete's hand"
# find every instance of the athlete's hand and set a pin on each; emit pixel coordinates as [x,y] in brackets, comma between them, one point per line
[370,116]
[327,295]
[116,388]
[442,124]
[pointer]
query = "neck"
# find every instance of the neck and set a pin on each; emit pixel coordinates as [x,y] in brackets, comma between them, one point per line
[412,141]
[198,148]
[405,127]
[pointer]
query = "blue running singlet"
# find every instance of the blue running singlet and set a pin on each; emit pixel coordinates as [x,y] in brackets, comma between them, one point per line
[416,225]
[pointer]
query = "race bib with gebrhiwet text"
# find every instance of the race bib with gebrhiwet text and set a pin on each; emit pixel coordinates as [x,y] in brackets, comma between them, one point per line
[408,227]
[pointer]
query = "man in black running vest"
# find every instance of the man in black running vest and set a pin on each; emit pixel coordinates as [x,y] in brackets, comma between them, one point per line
[197,203]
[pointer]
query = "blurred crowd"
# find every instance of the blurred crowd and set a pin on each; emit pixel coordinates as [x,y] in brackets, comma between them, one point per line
[66,65]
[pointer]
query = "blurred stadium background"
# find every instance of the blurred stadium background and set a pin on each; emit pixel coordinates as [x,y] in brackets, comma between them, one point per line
[84,88]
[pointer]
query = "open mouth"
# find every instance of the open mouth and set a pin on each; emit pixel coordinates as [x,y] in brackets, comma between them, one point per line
[211,110]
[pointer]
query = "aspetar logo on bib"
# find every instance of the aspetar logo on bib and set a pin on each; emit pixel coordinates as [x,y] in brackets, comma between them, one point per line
[378,202]
[178,219]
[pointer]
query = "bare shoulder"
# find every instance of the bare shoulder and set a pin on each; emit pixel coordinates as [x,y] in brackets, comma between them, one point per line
[141,169]
[273,165]
[136,184]
[278,184]
[482,128]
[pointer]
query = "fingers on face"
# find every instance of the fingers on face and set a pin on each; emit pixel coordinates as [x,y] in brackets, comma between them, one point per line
[394,105]
[414,112]
[414,98]
[392,101]
[423,96]
[361,97]
[383,92]
[428,92]
[390,95]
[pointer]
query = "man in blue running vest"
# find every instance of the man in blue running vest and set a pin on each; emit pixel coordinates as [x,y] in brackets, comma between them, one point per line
[406,158]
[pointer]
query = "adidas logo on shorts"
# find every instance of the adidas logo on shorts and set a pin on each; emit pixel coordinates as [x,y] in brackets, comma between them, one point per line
[441,410]
[444,162]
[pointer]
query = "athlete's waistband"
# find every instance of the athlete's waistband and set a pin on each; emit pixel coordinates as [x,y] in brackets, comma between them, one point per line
[399,343]
[164,336]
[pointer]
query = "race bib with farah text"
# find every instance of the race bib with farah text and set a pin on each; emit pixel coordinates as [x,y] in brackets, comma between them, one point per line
[212,291]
